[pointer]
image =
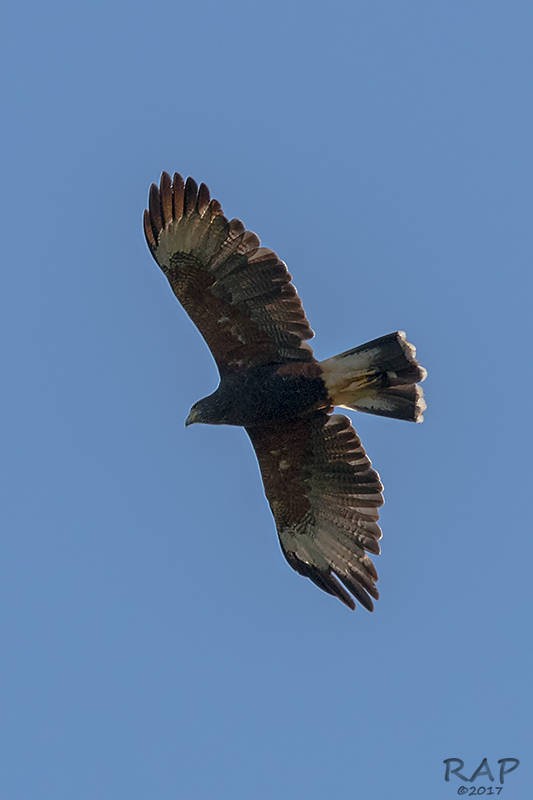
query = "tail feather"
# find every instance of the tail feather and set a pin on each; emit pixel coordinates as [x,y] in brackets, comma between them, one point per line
[379,377]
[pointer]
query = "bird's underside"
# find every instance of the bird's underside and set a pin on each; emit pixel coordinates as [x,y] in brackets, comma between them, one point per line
[318,480]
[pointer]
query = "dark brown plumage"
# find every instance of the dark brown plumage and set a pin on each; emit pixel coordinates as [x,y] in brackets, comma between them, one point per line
[322,490]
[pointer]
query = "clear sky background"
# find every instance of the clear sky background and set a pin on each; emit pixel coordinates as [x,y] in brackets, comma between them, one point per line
[155,644]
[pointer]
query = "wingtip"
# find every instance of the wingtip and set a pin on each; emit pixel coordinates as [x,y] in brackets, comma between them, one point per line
[165,198]
[204,199]
[191,194]
[154,206]
[148,231]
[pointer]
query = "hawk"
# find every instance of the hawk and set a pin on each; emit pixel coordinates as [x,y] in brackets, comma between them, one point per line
[319,482]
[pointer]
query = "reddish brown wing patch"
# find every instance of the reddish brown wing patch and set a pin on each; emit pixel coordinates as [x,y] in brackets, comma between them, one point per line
[238,294]
[324,496]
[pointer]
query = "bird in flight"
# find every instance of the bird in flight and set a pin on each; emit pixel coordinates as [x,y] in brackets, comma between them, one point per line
[319,482]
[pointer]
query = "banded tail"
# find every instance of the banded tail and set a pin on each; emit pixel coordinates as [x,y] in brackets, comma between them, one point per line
[379,377]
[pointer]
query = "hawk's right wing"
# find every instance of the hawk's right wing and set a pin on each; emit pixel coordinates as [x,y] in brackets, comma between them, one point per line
[238,294]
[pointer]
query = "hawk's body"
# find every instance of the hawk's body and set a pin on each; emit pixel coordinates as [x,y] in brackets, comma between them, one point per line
[322,490]
[269,394]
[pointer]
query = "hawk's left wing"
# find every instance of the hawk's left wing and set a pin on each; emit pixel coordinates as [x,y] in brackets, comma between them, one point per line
[324,496]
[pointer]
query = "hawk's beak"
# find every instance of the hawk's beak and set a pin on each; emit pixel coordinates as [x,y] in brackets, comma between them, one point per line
[193,417]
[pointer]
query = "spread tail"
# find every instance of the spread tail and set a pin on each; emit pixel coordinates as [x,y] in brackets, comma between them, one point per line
[379,377]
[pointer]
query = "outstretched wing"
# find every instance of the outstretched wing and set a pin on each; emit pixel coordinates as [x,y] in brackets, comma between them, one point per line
[238,294]
[324,496]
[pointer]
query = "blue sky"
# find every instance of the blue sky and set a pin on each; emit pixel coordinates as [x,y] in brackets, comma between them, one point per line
[155,644]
